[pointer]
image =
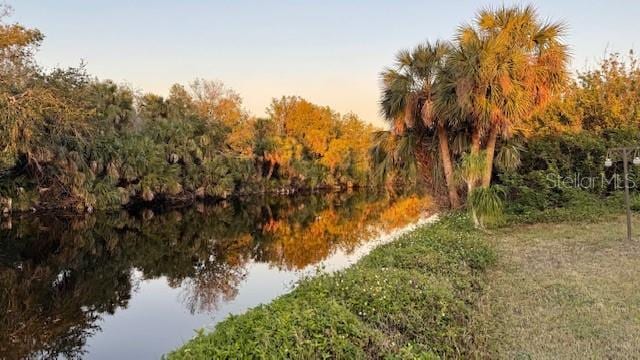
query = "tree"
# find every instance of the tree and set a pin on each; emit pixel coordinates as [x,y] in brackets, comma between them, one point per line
[215,102]
[600,99]
[507,65]
[608,97]
[152,107]
[409,99]
[310,124]
[348,153]
[44,122]
[394,159]
[113,104]
[180,104]
[17,45]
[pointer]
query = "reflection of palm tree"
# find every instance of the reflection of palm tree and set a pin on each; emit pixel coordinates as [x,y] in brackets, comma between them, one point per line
[51,303]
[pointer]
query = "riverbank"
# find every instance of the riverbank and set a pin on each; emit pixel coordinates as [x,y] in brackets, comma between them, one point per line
[411,297]
[546,279]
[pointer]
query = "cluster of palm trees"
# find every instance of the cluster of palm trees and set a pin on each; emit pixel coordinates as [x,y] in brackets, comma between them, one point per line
[450,103]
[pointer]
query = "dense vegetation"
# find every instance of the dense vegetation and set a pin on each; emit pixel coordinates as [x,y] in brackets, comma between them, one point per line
[455,100]
[410,298]
[498,100]
[68,140]
[557,170]
[561,150]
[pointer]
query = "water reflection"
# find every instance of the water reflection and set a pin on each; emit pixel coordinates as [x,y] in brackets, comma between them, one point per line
[61,277]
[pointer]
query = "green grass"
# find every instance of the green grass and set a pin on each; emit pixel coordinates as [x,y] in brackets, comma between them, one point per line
[562,290]
[411,298]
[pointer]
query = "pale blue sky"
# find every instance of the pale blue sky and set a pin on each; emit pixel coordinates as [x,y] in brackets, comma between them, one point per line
[329,52]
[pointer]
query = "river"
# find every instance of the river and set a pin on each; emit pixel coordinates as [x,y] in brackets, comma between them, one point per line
[135,285]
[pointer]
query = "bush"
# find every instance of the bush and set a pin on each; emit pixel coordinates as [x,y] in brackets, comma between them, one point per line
[559,169]
[290,327]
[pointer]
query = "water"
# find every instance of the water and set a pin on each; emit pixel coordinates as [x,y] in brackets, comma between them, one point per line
[137,285]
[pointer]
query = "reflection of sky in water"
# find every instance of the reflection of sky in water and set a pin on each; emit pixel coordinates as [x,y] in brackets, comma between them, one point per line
[136,285]
[158,319]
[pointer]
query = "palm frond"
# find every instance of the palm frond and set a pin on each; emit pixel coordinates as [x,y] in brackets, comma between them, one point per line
[508,157]
[486,206]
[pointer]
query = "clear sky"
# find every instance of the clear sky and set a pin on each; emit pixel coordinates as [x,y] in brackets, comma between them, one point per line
[329,52]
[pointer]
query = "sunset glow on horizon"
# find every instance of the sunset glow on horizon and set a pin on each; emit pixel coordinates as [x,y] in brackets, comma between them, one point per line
[330,53]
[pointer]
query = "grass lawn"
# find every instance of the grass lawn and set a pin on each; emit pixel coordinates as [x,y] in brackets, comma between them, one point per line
[563,291]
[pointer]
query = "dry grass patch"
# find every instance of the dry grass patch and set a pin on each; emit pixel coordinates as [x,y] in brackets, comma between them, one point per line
[569,290]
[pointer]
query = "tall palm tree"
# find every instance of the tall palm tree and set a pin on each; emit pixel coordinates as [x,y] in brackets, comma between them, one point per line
[506,65]
[409,102]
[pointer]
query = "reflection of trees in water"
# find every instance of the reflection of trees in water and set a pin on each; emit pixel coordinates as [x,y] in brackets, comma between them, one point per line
[343,224]
[217,278]
[52,293]
[59,275]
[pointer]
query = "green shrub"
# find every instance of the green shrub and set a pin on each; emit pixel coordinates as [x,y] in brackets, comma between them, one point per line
[583,206]
[557,169]
[486,206]
[290,327]
[407,306]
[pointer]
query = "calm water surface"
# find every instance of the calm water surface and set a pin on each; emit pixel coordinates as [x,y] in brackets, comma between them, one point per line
[137,285]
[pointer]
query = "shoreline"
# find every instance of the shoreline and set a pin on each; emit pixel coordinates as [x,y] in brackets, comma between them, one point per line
[411,296]
[385,237]
[176,203]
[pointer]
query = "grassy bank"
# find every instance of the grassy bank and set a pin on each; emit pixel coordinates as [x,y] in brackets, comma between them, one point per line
[565,290]
[412,297]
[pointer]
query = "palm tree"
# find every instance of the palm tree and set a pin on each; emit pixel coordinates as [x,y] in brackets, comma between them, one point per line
[505,65]
[409,102]
[394,158]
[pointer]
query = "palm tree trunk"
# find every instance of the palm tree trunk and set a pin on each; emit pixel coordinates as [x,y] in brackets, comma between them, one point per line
[491,149]
[475,141]
[445,155]
[475,151]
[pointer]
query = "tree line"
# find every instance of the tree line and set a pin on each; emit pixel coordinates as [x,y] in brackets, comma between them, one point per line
[69,140]
[462,114]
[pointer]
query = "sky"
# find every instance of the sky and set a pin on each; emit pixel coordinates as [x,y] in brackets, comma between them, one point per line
[329,52]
